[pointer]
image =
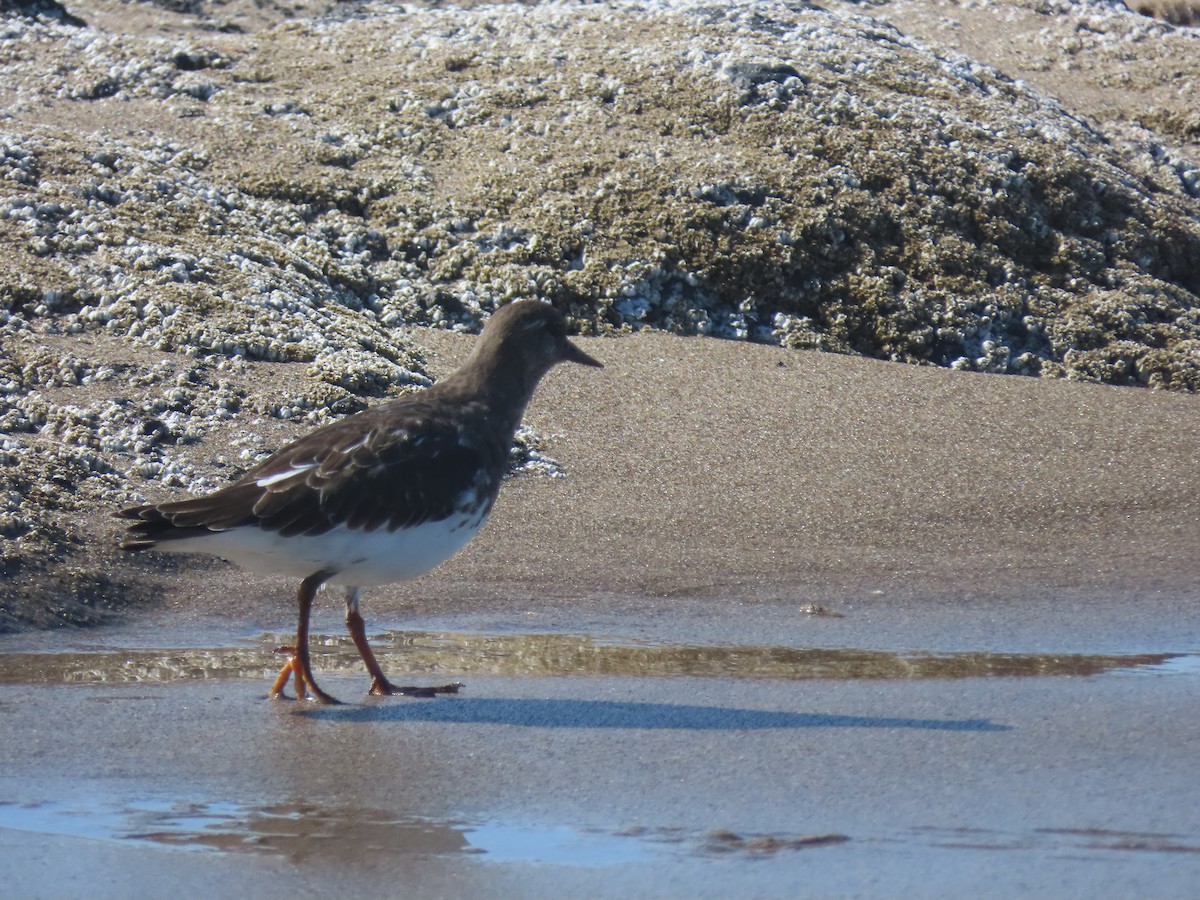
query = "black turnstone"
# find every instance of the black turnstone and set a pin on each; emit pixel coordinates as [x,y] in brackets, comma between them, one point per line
[381,496]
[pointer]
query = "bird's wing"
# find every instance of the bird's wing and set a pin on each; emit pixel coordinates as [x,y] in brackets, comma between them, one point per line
[362,472]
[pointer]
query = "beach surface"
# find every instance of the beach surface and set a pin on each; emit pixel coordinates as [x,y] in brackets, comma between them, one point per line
[783,623]
[895,684]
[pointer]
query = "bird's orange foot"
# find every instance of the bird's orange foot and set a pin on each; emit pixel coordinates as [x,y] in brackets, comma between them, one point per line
[306,688]
[285,674]
[381,687]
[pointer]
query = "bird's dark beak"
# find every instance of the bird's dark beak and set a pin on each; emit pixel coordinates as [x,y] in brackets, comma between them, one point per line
[571,353]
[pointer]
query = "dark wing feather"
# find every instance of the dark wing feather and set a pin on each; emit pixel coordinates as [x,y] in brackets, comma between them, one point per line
[379,469]
[392,476]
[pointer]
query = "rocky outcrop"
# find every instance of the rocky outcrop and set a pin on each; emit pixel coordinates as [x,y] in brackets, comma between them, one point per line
[202,229]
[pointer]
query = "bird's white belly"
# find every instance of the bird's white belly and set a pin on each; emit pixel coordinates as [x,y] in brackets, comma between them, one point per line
[358,558]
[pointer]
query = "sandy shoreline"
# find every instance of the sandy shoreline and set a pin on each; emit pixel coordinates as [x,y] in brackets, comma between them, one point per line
[794,624]
[1009,667]
[698,468]
[607,786]
[696,462]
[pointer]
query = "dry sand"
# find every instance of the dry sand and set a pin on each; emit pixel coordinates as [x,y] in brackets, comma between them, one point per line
[698,468]
[706,468]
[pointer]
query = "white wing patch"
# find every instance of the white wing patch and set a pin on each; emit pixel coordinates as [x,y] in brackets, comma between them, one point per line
[277,477]
[361,442]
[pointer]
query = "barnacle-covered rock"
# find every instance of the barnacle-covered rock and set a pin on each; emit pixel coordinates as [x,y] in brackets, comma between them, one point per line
[211,242]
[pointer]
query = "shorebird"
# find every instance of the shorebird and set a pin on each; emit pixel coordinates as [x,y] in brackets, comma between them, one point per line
[381,496]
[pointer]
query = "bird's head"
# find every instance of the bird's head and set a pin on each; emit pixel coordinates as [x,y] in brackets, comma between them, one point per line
[531,337]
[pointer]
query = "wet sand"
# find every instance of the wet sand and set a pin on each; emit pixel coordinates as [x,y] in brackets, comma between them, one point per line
[619,785]
[774,635]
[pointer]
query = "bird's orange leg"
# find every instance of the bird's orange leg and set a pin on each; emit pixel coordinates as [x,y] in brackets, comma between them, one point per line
[300,663]
[380,686]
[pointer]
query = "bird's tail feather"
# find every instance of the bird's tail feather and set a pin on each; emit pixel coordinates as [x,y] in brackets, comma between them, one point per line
[165,522]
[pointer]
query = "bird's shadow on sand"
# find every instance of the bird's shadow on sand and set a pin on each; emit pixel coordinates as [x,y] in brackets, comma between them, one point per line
[543,713]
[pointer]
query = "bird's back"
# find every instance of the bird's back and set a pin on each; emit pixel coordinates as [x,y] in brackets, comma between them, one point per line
[395,466]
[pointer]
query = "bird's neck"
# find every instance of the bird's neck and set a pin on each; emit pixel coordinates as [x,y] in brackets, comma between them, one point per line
[499,388]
